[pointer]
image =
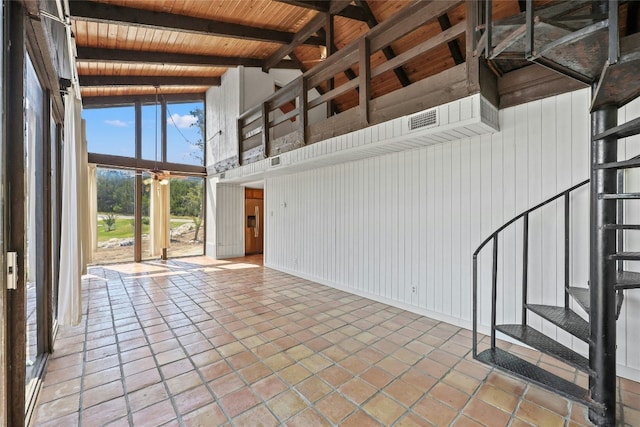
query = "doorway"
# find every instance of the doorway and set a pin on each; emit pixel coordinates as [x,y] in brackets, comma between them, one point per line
[253,221]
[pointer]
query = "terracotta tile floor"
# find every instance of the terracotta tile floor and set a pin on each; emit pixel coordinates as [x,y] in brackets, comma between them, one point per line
[209,343]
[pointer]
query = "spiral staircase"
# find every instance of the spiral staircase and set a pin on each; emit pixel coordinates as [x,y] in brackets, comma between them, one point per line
[580,39]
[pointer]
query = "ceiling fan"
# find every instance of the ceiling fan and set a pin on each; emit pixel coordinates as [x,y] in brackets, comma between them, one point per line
[156,174]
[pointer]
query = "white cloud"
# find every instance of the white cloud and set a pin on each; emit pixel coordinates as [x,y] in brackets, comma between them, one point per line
[117,123]
[182,122]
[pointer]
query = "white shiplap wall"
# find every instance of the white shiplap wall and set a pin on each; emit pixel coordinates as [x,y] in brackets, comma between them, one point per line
[402,227]
[225,210]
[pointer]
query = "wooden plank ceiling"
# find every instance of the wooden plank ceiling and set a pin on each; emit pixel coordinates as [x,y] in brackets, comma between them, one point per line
[128,47]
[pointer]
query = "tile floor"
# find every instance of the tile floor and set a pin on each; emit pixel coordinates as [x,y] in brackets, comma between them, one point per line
[199,342]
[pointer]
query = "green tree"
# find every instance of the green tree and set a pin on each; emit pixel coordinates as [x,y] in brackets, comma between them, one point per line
[198,113]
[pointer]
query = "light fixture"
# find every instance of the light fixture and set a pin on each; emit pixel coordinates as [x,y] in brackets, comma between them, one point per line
[158,175]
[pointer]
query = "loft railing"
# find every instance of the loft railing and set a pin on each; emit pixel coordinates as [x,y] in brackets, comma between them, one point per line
[256,125]
[494,238]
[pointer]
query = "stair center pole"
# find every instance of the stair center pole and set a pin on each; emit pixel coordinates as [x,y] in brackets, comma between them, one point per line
[602,346]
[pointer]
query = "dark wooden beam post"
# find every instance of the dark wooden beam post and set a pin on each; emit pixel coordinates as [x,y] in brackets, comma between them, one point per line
[330,51]
[453,45]
[240,137]
[632,17]
[303,110]
[16,187]
[349,73]
[265,129]
[388,52]
[473,9]
[137,237]
[365,79]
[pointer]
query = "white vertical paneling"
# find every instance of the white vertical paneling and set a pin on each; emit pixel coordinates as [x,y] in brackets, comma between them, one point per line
[383,225]
[630,315]
[229,221]
[510,261]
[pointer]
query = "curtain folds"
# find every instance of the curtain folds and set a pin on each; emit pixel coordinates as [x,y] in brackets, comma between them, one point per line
[74,195]
[92,212]
[159,218]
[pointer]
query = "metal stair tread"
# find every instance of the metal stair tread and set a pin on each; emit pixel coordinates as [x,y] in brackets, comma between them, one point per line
[627,280]
[630,128]
[582,297]
[545,344]
[627,256]
[514,365]
[563,318]
[622,164]
[619,196]
[622,226]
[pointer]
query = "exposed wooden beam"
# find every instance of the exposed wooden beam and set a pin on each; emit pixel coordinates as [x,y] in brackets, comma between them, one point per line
[312,27]
[110,101]
[632,17]
[388,51]
[100,12]
[350,11]
[89,54]
[120,80]
[454,47]
[330,45]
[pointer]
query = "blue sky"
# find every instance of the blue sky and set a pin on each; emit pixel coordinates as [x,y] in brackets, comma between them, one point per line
[112,131]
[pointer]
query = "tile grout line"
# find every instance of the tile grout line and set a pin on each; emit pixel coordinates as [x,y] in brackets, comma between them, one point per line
[120,364]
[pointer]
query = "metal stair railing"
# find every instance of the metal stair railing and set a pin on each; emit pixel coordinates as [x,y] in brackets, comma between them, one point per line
[525,262]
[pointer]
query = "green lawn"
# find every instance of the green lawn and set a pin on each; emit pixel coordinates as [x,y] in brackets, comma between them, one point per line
[124,229]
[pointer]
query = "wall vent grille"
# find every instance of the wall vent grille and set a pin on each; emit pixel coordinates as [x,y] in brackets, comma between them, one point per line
[275,161]
[489,114]
[425,119]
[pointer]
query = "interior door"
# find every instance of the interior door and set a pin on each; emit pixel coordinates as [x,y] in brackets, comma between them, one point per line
[254,226]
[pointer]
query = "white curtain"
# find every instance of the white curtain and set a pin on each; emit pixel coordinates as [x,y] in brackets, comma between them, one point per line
[159,217]
[71,248]
[92,212]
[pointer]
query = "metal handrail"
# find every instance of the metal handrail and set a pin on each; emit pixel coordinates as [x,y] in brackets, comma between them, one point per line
[494,270]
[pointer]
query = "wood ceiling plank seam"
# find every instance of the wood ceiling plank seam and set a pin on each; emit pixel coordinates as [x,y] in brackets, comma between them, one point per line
[112,38]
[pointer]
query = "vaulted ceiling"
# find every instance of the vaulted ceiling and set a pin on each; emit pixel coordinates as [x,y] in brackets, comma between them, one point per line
[128,47]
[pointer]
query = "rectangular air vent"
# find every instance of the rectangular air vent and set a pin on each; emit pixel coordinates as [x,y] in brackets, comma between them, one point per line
[275,161]
[423,120]
[489,114]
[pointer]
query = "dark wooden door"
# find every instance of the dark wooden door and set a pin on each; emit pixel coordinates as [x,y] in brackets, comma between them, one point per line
[254,226]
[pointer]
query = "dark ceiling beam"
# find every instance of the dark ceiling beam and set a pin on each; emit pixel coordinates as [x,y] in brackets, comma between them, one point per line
[632,17]
[109,101]
[454,47]
[388,51]
[311,28]
[88,54]
[350,11]
[100,12]
[164,81]
[523,5]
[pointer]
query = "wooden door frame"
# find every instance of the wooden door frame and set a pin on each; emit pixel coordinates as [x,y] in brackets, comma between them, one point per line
[15,213]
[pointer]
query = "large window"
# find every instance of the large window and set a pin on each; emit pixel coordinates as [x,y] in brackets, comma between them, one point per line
[111,130]
[116,215]
[171,147]
[187,217]
[185,133]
